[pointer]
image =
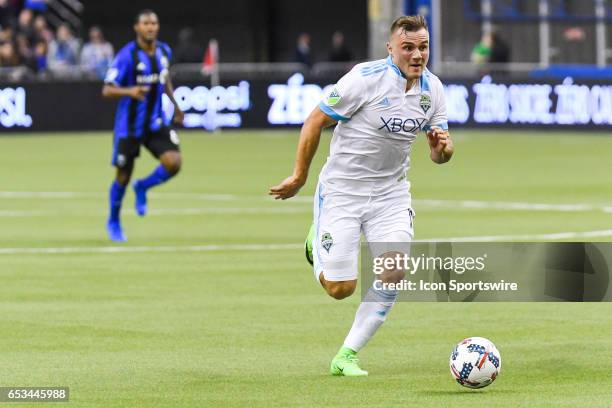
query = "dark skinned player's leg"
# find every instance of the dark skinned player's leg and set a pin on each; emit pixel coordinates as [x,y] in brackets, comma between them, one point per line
[117,191]
[171,160]
[124,174]
[170,163]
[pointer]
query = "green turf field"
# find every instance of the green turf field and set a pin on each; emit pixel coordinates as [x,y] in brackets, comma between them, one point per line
[212,304]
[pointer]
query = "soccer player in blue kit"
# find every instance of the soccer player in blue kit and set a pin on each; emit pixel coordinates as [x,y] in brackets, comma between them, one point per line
[139,77]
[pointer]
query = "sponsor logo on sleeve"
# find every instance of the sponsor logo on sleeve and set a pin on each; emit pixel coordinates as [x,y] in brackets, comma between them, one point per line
[333,98]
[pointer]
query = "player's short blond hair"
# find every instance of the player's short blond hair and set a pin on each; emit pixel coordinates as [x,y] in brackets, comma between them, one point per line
[409,23]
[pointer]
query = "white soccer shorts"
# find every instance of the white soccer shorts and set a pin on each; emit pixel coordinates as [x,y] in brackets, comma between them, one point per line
[339,221]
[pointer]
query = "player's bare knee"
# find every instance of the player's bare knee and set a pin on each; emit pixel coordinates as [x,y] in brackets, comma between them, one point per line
[174,167]
[340,290]
[172,162]
[123,176]
[395,273]
[123,180]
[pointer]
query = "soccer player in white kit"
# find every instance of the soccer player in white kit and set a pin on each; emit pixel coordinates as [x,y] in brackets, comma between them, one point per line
[379,108]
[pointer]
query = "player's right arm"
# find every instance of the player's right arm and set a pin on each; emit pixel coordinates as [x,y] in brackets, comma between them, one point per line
[307,147]
[116,83]
[340,103]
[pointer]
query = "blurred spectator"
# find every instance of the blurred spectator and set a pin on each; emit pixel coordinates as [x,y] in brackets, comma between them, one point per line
[64,50]
[482,51]
[7,13]
[302,50]
[42,29]
[97,54]
[187,49]
[574,34]
[25,51]
[6,35]
[25,24]
[340,52]
[40,55]
[500,50]
[491,48]
[8,55]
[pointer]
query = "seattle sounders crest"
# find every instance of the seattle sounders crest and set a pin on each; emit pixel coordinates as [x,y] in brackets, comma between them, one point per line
[327,241]
[425,103]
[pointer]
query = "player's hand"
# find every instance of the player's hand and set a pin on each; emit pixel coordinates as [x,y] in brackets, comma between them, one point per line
[440,144]
[287,189]
[437,139]
[178,117]
[139,92]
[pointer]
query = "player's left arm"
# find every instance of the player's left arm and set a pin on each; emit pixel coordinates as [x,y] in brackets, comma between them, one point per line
[440,143]
[179,116]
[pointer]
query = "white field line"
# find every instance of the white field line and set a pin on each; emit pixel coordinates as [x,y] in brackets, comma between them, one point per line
[509,205]
[63,195]
[285,247]
[228,210]
[136,249]
[30,213]
[46,194]
[524,237]
[422,204]
[161,212]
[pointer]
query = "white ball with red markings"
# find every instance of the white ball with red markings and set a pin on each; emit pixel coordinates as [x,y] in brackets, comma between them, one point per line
[475,362]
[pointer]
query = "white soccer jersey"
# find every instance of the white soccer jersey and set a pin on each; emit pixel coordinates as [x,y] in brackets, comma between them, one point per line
[377,123]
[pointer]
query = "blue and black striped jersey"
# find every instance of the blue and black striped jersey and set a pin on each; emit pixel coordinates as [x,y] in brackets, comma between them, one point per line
[133,66]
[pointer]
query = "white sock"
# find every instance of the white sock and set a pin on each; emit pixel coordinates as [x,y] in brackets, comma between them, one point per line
[371,314]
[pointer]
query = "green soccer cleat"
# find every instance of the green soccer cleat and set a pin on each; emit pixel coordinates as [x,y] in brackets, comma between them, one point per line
[308,245]
[346,363]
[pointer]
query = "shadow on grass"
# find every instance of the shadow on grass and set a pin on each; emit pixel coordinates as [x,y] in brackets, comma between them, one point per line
[492,391]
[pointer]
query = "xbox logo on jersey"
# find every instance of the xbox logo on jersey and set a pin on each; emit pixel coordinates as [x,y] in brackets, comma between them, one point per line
[395,125]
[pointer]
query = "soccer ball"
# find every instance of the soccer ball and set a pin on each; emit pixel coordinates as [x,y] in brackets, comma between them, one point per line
[475,362]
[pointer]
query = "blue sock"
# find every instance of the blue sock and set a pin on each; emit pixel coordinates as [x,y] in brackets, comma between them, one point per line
[158,176]
[116,193]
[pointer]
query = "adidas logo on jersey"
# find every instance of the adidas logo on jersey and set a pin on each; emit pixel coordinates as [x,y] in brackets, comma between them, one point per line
[385,102]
